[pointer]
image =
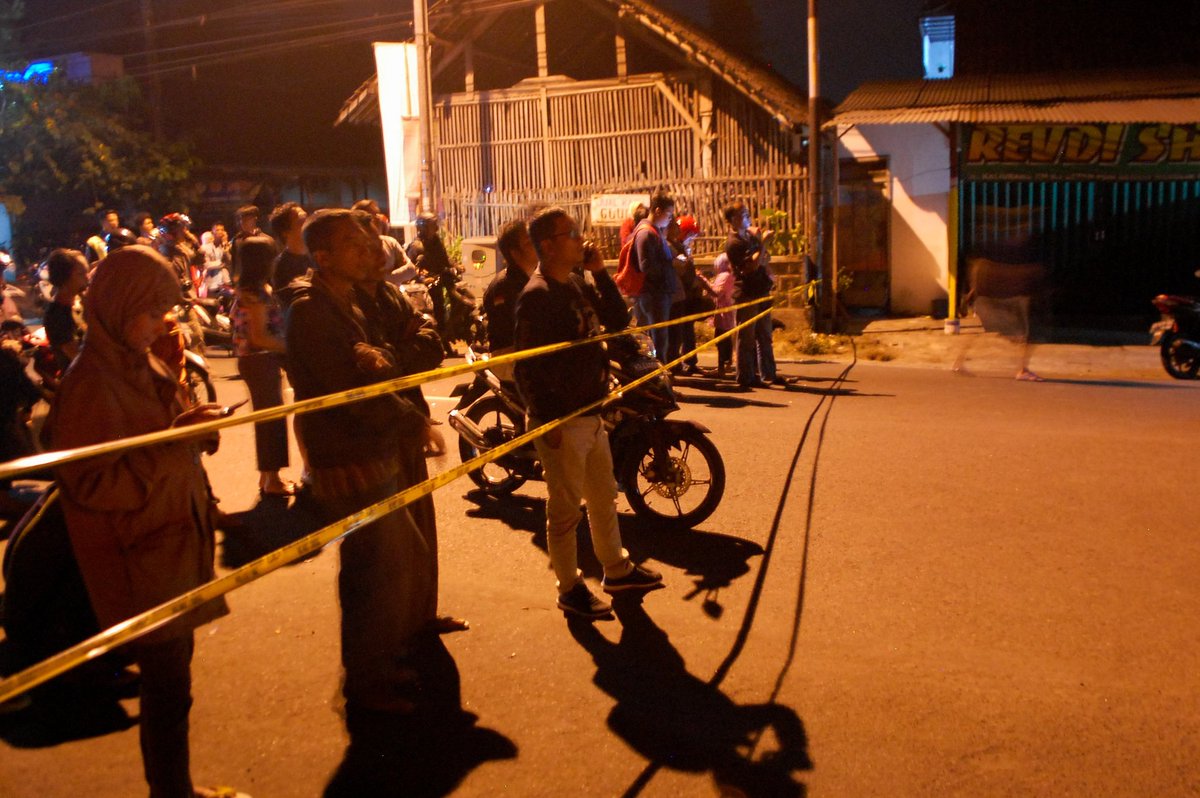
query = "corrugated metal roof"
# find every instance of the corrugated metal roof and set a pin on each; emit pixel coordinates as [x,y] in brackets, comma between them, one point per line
[761,85]
[1062,98]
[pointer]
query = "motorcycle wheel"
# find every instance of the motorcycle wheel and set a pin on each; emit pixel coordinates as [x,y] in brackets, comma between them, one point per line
[199,386]
[683,492]
[499,425]
[1176,361]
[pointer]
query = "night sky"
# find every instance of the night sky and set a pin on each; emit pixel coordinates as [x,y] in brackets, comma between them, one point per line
[277,106]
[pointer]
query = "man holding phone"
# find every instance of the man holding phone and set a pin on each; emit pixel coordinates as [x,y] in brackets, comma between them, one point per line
[558,305]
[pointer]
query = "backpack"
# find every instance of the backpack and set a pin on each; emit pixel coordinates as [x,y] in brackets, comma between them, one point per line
[629,278]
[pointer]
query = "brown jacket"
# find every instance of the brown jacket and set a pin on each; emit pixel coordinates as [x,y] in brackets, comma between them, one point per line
[139,520]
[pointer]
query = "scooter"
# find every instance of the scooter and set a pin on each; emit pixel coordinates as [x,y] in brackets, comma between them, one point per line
[669,470]
[1178,335]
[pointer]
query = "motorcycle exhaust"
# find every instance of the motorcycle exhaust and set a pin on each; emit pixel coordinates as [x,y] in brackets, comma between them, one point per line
[469,430]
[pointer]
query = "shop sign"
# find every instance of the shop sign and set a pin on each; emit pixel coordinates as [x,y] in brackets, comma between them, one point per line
[1089,151]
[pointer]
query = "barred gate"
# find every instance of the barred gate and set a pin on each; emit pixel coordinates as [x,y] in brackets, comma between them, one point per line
[1109,246]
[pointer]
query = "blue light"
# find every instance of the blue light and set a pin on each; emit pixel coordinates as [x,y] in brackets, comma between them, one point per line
[39,71]
[36,72]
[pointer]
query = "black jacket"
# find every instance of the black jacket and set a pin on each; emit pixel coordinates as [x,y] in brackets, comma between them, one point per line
[500,306]
[549,312]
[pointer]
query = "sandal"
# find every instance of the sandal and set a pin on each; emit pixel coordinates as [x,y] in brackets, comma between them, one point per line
[217,792]
[1025,375]
[447,624]
[287,490]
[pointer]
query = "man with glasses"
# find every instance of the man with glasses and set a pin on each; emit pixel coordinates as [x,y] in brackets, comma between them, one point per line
[559,305]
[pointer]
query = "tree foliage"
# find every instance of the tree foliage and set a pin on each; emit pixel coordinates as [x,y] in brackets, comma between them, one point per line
[85,145]
[69,148]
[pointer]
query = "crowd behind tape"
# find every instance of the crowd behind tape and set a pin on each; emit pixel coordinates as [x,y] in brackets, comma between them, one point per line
[132,628]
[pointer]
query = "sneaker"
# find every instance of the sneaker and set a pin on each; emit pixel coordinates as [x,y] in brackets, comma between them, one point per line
[582,602]
[638,579]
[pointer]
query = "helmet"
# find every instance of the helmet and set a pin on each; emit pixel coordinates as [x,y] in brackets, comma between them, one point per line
[688,226]
[121,237]
[173,223]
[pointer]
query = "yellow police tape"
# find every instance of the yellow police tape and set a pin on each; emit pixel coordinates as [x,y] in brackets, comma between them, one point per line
[151,619]
[38,462]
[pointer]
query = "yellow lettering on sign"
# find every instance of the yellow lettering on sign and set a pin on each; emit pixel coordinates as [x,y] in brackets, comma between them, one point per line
[1083,144]
[985,144]
[1185,145]
[1047,142]
[1017,143]
[1114,137]
[1153,140]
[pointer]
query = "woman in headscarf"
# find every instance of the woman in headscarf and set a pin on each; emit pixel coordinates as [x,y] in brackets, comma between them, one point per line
[139,520]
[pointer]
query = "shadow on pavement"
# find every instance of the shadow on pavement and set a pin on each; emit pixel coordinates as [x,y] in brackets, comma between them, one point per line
[427,752]
[71,707]
[676,720]
[711,559]
[265,527]
[1156,386]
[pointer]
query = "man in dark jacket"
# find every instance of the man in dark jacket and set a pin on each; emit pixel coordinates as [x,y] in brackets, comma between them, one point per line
[500,298]
[558,305]
[387,582]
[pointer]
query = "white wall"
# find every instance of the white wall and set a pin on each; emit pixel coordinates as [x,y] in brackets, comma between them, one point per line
[919,166]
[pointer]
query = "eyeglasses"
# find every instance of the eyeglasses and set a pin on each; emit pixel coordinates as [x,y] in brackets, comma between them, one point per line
[573,233]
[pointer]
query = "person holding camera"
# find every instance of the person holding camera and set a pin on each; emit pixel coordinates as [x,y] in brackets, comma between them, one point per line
[559,305]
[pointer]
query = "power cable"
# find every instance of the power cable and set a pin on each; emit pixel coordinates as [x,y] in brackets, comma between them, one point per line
[182,64]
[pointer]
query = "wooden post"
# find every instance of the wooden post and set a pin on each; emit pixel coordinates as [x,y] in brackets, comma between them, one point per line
[421,34]
[469,66]
[704,113]
[622,68]
[543,64]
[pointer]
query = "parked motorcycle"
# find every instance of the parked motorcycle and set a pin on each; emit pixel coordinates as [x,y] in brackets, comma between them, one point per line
[213,314]
[35,349]
[463,322]
[1178,335]
[669,470]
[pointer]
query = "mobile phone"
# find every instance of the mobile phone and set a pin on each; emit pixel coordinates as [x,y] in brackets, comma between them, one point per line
[227,410]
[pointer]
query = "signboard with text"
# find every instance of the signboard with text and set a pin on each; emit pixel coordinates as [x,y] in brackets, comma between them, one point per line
[1080,151]
[609,210]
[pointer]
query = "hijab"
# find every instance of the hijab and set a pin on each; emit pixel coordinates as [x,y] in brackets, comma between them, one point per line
[128,282]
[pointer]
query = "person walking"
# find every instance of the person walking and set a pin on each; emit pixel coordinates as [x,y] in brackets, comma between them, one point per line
[140,520]
[559,305]
[256,319]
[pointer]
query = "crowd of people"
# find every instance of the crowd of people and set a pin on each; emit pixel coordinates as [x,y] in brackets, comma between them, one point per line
[315,304]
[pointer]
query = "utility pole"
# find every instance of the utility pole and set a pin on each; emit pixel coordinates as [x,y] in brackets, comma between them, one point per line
[152,69]
[818,266]
[425,90]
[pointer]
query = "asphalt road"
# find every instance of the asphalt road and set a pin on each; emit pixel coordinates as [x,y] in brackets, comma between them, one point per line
[917,585]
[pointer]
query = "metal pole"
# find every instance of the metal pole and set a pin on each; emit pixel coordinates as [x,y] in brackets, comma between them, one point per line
[425,90]
[812,209]
[152,67]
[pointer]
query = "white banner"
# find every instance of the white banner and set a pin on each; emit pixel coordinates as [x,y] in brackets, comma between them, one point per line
[399,110]
[609,210]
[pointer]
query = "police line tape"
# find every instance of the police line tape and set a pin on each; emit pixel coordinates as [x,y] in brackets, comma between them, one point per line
[39,462]
[156,617]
